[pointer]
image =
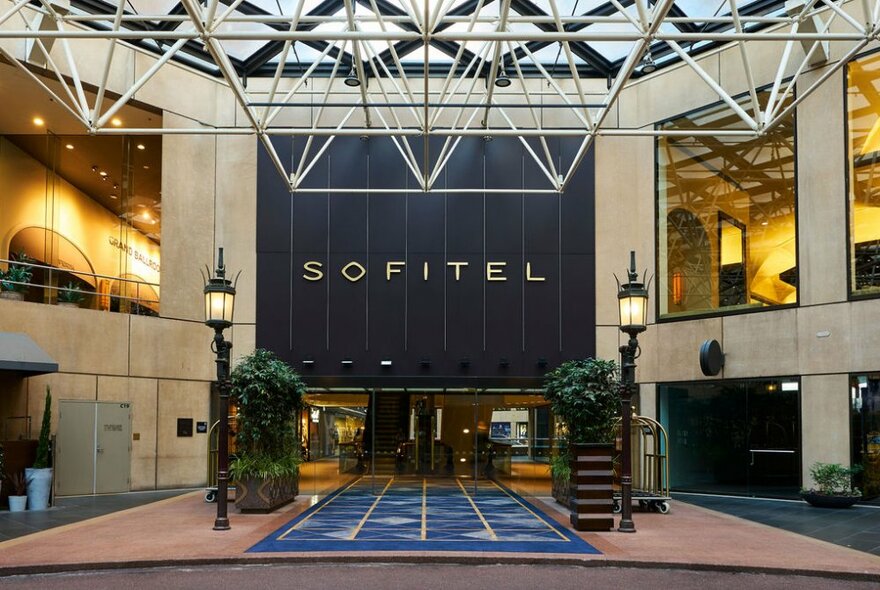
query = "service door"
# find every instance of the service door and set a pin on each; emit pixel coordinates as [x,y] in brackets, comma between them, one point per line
[75,448]
[93,454]
[113,449]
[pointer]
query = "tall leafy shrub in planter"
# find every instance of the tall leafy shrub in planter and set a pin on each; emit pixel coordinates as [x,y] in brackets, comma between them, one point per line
[268,394]
[583,395]
[39,477]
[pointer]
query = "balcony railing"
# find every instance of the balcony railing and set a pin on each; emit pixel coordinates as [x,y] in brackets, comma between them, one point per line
[107,292]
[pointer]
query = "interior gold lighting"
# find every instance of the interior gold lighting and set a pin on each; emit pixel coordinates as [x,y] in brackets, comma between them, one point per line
[38,121]
[141,146]
[69,146]
[116,121]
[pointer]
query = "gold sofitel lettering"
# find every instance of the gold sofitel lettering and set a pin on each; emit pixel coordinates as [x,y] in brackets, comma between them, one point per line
[457,266]
[313,270]
[529,276]
[494,270]
[392,267]
[356,278]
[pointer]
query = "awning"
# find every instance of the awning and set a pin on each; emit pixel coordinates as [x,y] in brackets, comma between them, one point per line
[18,352]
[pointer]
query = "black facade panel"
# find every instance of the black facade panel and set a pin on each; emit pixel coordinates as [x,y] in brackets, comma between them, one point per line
[408,307]
[578,308]
[274,202]
[309,307]
[273,302]
[465,235]
[426,222]
[387,223]
[504,223]
[426,312]
[348,305]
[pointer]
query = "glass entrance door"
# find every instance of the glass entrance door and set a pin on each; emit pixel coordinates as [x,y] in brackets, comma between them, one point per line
[733,437]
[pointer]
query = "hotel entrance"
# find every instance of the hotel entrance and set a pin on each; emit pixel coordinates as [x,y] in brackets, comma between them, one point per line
[462,436]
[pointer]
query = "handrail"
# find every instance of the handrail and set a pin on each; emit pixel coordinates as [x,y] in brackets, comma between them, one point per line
[137,283]
[77,272]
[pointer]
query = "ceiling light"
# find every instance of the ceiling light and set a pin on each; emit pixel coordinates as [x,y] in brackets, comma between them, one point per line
[352,79]
[113,196]
[69,146]
[141,146]
[38,121]
[146,167]
[501,80]
[648,66]
[116,121]
[102,173]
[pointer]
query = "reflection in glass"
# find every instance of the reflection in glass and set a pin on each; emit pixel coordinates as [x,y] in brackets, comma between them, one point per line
[863,105]
[733,437]
[726,216]
[86,211]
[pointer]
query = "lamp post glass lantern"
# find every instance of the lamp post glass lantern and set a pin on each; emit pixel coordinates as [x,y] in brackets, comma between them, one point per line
[632,298]
[219,304]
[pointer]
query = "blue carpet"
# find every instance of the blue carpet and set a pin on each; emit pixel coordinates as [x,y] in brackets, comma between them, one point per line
[412,514]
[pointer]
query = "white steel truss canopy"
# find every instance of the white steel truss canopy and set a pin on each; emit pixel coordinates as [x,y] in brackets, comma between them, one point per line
[413,69]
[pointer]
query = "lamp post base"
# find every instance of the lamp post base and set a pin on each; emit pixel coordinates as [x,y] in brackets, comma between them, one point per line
[626,526]
[221,524]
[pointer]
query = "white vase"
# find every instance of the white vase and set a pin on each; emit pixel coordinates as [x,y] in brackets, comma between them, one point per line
[39,483]
[17,503]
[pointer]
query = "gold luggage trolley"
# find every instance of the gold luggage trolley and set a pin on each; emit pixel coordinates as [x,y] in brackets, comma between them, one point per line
[650,465]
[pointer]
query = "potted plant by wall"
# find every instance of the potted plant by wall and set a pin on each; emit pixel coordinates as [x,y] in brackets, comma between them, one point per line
[268,394]
[14,281]
[834,487]
[583,395]
[70,295]
[39,477]
[17,492]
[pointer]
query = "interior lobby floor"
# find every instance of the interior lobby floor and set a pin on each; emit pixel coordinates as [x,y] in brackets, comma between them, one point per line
[178,531]
[857,527]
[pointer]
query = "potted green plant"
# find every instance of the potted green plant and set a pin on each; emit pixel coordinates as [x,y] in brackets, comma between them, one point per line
[268,394]
[17,496]
[834,487]
[39,477]
[14,281]
[583,396]
[70,295]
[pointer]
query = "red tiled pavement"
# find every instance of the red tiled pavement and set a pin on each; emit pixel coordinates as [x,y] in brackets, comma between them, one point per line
[179,529]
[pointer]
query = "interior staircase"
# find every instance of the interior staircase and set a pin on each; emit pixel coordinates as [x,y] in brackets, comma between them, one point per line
[392,410]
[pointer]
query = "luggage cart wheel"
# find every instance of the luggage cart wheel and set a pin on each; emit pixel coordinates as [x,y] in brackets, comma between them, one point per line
[616,508]
[210,496]
[663,507]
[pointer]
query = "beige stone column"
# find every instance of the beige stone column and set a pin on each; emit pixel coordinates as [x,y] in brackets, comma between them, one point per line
[825,415]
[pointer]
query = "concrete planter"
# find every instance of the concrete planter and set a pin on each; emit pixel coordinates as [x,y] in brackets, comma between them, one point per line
[17,503]
[265,495]
[69,304]
[826,501]
[39,484]
[591,487]
[12,295]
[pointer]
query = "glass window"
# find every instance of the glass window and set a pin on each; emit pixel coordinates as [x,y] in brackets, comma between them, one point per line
[733,437]
[726,226]
[863,110]
[865,429]
[83,213]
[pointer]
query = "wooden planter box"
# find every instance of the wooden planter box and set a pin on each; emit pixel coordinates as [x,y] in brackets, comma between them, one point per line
[591,487]
[265,495]
[561,491]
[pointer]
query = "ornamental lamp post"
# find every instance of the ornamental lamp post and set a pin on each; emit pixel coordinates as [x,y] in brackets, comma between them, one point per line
[632,299]
[219,302]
